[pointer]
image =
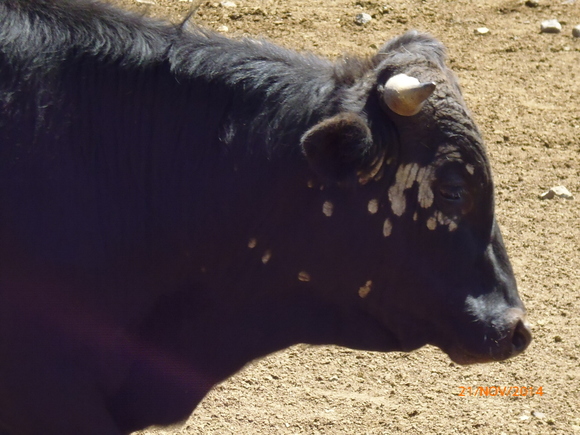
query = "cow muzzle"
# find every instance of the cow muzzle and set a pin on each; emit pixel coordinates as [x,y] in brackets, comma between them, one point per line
[504,338]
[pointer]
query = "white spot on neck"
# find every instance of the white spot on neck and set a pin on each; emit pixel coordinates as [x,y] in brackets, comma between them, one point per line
[373,206]
[252,243]
[303,276]
[266,257]
[327,208]
[470,169]
[310,184]
[387,228]
[365,289]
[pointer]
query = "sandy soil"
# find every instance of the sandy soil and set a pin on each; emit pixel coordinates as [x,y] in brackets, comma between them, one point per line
[524,90]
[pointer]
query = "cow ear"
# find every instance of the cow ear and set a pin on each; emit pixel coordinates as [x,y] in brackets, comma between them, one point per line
[338,147]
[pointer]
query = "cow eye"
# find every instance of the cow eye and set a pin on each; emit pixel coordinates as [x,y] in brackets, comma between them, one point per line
[452,192]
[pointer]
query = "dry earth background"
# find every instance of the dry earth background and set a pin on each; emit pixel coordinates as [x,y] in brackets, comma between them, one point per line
[524,89]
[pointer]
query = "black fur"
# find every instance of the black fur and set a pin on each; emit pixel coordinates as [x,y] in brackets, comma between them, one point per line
[161,214]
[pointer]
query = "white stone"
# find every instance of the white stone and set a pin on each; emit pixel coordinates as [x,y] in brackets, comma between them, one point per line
[482,31]
[559,191]
[229,5]
[362,18]
[551,26]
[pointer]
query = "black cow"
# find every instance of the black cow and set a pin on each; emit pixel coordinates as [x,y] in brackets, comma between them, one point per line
[174,204]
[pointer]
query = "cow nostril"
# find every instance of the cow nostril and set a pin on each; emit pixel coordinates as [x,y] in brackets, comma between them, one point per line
[521,337]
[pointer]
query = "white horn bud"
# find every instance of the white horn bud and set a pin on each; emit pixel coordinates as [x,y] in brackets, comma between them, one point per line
[405,95]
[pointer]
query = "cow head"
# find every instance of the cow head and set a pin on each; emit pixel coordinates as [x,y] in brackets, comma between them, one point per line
[410,155]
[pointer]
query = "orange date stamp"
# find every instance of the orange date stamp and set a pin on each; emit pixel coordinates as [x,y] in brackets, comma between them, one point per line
[508,391]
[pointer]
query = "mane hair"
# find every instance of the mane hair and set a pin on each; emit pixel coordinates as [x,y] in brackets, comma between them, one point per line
[274,94]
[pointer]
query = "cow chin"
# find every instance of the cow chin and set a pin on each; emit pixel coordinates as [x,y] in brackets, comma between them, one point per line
[463,357]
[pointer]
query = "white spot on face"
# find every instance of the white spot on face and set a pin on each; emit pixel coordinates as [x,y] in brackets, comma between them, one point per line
[406,176]
[387,228]
[373,206]
[415,216]
[327,208]
[310,184]
[432,223]
[365,289]
[266,257]
[425,179]
[252,243]
[304,276]
[439,218]
[470,169]
[397,190]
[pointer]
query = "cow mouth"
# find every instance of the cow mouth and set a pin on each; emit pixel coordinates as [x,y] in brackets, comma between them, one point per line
[511,344]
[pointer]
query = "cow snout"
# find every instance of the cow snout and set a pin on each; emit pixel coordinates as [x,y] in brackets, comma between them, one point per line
[512,335]
[504,336]
[519,335]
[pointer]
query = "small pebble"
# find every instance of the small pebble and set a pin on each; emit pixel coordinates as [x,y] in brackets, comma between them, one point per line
[576,31]
[551,26]
[362,18]
[482,31]
[223,29]
[532,3]
[559,191]
[228,4]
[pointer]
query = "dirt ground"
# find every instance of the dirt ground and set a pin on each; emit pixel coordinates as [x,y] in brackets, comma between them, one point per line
[524,90]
